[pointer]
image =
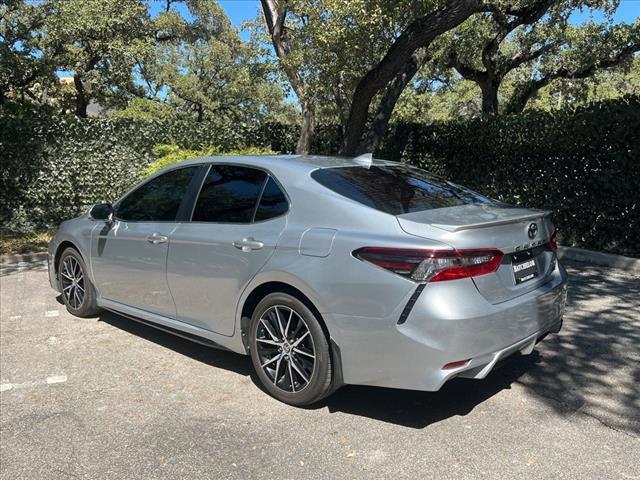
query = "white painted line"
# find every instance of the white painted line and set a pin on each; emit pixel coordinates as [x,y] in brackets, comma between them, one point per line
[52,313]
[15,317]
[53,340]
[56,379]
[49,381]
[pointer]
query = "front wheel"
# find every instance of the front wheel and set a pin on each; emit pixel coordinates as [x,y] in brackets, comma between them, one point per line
[290,351]
[78,293]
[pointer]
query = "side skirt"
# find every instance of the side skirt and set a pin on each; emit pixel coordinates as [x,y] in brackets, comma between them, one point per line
[179,333]
[183,330]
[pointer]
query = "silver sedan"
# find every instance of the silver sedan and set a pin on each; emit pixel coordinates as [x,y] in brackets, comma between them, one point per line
[326,271]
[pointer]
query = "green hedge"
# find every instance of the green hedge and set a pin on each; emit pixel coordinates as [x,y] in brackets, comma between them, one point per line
[584,165]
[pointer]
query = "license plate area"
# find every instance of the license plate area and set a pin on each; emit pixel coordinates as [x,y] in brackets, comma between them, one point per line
[524,265]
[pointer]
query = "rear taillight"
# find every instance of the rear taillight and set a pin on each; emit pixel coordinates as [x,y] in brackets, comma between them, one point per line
[553,242]
[432,265]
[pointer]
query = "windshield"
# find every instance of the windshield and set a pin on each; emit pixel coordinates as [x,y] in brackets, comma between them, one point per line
[396,189]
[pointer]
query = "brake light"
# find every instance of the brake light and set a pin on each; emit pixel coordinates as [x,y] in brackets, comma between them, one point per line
[553,242]
[432,265]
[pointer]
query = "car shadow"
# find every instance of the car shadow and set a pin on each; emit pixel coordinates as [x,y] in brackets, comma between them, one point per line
[589,366]
[415,409]
[403,407]
[214,357]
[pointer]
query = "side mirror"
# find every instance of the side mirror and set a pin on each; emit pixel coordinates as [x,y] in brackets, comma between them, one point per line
[101,211]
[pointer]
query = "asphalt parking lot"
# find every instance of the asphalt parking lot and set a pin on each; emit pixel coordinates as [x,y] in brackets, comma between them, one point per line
[109,398]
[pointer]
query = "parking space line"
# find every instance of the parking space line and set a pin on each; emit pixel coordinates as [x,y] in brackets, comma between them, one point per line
[53,379]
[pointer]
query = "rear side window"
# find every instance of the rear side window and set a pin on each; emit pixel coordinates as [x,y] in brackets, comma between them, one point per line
[273,202]
[157,200]
[396,189]
[229,194]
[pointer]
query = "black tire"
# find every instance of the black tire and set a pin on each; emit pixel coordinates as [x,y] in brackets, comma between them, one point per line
[284,378]
[78,293]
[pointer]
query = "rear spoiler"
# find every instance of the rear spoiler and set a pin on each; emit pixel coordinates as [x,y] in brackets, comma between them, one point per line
[494,223]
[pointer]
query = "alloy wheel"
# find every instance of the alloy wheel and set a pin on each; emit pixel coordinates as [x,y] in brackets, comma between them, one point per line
[72,279]
[285,348]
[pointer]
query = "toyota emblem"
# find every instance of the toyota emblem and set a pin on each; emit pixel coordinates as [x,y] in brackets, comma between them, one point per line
[532,231]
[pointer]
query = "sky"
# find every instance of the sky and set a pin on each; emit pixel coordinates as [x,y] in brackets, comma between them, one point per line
[240,10]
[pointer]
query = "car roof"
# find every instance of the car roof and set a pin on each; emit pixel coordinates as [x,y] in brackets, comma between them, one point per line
[286,162]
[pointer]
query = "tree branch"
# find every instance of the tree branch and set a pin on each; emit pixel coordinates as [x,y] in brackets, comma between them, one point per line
[420,33]
[389,99]
[520,97]
[468,73]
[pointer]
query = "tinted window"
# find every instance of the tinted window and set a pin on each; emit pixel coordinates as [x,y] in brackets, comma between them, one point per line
[272,203]
[396,189]
[229,194]
[158,199]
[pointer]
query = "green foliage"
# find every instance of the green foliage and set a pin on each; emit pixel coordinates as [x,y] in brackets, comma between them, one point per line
[142,108]
[170,154]
[100,41]
[200,67]
[25,66]
[583,164]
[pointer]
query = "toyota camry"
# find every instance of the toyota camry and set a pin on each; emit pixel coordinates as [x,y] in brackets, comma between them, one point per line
[326,271]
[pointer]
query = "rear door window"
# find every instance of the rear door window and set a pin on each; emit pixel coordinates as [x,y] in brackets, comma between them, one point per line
[396,189]
[229,194]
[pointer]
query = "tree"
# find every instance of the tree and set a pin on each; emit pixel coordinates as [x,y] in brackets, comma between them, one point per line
[589,49]
[361,51]
[606,84]
[202,68]
[24,62]
[98,40]
[536,42]
[275,14]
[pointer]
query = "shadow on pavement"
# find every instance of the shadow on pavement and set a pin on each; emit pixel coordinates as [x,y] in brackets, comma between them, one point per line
[7,269]
[414,409]
[402,407]
[208,355]
[593,365]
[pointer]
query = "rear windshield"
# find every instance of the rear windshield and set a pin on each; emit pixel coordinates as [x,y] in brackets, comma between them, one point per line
[396,189]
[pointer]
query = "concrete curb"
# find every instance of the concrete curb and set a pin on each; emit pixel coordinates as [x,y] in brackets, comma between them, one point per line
[627,264]
[14,258]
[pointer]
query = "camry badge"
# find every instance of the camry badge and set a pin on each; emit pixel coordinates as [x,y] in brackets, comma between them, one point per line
[532,231]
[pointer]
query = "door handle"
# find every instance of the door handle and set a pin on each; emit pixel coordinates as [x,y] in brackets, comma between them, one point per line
[156,239]
[248,244]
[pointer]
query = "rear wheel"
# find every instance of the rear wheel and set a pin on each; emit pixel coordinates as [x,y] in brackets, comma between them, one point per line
[78,293]
[290,351]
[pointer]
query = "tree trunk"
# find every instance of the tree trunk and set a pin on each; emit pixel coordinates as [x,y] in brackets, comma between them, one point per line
[81,98]
[380,122]
[489,90]
[306,129]
[419,34]
[275,14]
[523,93]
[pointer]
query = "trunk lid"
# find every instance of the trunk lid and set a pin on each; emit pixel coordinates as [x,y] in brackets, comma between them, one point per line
[521,234]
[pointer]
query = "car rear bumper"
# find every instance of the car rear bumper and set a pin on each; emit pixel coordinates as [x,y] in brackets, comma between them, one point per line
[449,322]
